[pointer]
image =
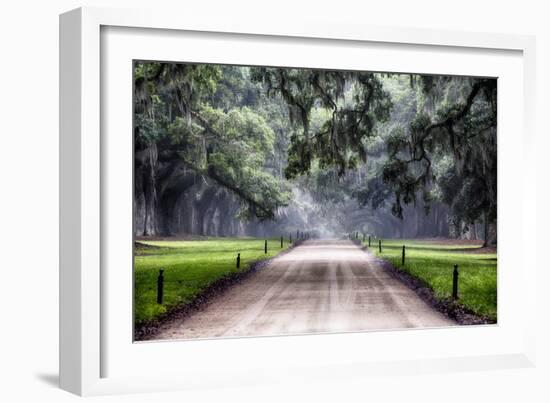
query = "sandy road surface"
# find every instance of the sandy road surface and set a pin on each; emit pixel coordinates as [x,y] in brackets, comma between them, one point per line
[319,286]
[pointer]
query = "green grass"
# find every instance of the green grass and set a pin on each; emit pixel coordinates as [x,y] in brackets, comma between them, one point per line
[433,263]
[189,268]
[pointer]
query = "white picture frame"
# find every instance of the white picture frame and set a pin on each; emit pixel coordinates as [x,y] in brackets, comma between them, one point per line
[88,181]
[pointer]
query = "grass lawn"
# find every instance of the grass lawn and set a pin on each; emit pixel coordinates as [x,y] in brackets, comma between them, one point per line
[189,267]
[433,263]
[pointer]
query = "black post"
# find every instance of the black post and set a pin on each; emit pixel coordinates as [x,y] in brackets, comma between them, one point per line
[238,260]
[290,238]
[380,245]
[363,237]
[281,242]
[403,257]
[369,241]
[265,246]
[160,287]
[455,282]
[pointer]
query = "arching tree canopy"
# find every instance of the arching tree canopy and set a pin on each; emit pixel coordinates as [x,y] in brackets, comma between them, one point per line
[352,102]
[226,149]
[462,127]
[174,120]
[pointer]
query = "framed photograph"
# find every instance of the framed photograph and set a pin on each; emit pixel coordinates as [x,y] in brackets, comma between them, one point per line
[244,203]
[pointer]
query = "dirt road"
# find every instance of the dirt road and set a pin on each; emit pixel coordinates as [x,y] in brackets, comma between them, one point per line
[319,286]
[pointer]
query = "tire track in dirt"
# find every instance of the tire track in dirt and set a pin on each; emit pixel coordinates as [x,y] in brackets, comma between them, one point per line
[319,286]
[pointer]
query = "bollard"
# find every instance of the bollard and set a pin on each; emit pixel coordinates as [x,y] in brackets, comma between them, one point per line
[281,242]
[289,238]
[403,256]
[265,246]
[238,260]
[369,241]
[160,287]
[380,245]
[455,282]
[363,237]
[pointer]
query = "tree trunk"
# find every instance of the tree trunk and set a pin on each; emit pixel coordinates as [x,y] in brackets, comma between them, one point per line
[485,230]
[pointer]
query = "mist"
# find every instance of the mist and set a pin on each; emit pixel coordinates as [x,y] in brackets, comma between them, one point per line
[239,156]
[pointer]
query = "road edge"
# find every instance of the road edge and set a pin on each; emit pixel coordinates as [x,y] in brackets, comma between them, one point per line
[149,329]
[448,307]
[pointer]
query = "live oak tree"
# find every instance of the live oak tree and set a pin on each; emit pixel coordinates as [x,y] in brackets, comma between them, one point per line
[177,122]
[353,103]
[350,149]
[458,133]
[439,119]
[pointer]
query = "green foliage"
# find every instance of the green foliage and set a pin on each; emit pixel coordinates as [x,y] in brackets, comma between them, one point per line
[241,125]
[176,113]
[352,104]
[457,120]
[396,141]
[373,194]
[256,131]
[420,122]
[235,89]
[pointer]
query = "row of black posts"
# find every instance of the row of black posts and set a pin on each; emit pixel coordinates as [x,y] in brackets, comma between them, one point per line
[301,235]
[160,278]
[455,270]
